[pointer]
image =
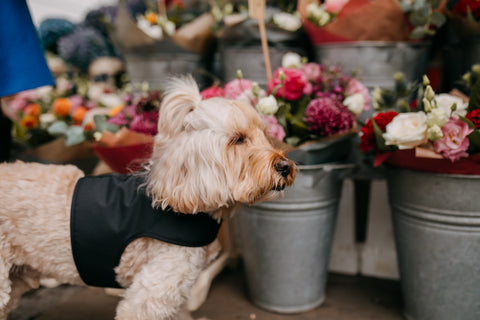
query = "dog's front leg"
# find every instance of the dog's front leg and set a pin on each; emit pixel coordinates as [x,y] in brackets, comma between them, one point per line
[161,288]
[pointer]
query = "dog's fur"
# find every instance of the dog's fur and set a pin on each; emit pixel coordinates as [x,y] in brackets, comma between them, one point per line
[209,156]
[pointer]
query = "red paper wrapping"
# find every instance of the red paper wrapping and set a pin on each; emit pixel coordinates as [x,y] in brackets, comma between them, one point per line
[406,159]
[124,151]
[124,159]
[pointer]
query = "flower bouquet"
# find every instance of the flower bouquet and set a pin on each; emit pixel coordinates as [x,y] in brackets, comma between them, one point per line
[124,137]
[311,109]
[437,133]
[395,34]
[169,37]
[41,116]
[461,42]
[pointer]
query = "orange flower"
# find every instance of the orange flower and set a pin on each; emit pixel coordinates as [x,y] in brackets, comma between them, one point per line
[29,122]
[115,110]
[62,106]
[32,109]
[88,126]
[79,114]
[151,17]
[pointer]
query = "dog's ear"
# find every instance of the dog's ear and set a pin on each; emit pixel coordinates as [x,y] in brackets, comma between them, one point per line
[181,96]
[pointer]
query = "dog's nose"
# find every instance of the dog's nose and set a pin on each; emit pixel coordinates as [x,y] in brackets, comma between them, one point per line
[283,166]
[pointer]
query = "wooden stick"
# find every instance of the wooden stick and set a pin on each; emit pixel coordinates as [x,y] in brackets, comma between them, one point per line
[162,9]
[266,55]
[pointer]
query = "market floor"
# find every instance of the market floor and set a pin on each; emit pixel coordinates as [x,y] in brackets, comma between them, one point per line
[347,298]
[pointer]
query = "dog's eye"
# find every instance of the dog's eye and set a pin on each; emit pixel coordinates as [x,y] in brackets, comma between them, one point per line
[237,139]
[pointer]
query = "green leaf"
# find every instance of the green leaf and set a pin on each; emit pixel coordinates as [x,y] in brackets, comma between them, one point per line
[437,19]
[474,138]
[419,18]
[74,135]
[101,124]
[419,32]
[58,128]
[380,140]
[474,102]
[470,123]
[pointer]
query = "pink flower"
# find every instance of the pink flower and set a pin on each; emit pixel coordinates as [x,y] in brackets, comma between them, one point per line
[145,122]
[454,143]
[293,85]
[213,91]
[334,6]
[274,129]
[354,86]
[236,87]
[313,71]
[326,116]
[19,102]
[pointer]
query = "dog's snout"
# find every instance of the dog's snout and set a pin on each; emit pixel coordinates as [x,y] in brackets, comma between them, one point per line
[283,166]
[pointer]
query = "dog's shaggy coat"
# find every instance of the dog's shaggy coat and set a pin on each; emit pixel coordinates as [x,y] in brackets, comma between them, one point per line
[209,155]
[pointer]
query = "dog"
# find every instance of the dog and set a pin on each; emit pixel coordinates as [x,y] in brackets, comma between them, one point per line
[209,157]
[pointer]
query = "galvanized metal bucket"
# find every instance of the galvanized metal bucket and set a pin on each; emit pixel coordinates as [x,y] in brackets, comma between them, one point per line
[250,60]
[377,61]
[436,220]
[285,244]
[155,67]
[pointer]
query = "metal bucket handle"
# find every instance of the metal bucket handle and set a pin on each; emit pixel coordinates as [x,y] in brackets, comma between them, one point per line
[326,168]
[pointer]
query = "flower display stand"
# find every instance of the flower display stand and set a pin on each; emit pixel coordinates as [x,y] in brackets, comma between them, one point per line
[286,243]
[437,234]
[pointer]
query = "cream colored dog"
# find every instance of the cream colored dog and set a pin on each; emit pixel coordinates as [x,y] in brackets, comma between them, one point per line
[209,156]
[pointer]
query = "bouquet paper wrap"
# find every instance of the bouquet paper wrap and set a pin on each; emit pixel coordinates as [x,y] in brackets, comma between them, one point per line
[361,20]
[124,151]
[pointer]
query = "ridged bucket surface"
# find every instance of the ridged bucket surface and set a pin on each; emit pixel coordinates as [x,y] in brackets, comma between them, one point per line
[156,67]
[251,61]
[377,61]
[436,221]
[286,243]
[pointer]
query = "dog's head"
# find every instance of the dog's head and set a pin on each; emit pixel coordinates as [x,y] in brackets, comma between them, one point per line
[211,154]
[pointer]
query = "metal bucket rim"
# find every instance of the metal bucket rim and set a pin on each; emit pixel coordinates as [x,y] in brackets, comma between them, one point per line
[452,175]
[356,44]
[326,166]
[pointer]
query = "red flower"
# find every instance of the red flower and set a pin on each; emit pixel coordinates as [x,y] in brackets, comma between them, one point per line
[463,6]
[213,91]
[367,138]
[293,84]
[474,116]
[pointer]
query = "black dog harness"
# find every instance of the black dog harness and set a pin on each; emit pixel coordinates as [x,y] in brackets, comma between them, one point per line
[110,211]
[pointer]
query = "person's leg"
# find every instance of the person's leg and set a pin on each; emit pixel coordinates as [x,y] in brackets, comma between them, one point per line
[5,137]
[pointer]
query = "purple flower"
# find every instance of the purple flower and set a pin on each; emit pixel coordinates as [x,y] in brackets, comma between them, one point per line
[123,117]
[145,122]
[326,116]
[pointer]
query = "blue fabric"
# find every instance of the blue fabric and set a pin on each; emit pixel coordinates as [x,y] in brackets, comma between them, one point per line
[22,62]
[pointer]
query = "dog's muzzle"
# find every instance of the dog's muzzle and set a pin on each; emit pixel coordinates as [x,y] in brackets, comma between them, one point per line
[284,167]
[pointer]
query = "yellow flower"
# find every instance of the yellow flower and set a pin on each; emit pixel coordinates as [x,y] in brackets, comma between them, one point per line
[115,110]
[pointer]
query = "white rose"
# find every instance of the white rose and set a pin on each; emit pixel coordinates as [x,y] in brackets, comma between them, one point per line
[154,31]
[287,21]
[318,14]
[407,130]
[355,103]
[291,60]
[445,102]
[169,27]
[47,118]
[110,100]
[267,105]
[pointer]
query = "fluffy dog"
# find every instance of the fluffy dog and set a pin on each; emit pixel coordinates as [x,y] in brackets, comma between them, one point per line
[209,156]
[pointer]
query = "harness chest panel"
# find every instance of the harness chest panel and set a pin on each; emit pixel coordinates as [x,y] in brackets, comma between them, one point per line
[110,211]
